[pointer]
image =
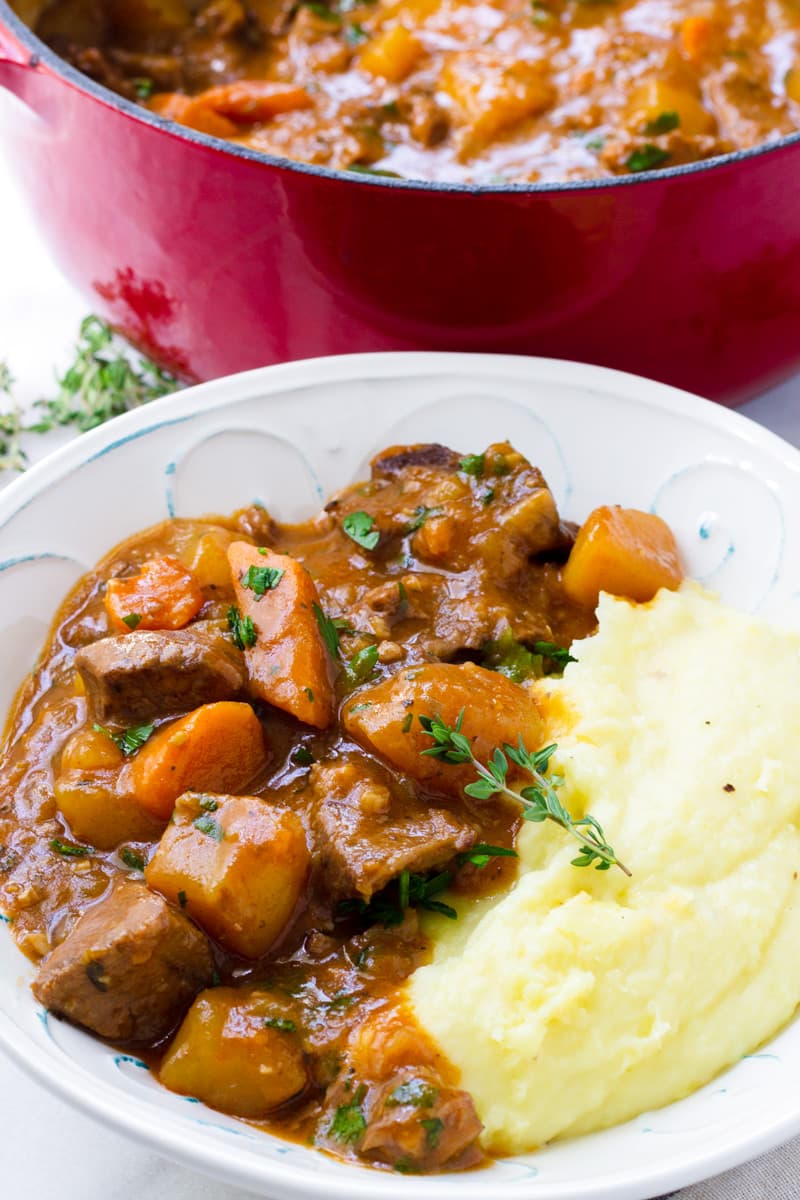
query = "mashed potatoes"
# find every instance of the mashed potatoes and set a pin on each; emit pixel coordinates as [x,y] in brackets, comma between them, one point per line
[580,999]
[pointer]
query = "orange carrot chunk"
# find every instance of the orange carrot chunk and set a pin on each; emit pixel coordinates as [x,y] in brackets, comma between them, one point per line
[217,748]
[250,101]
[698,35]
[289,665]
[164,595]
[192,112]
[622,551]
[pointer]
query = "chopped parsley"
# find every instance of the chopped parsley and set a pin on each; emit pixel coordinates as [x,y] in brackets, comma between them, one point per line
[330,634]
[262,579]
[433,1127]
[647,158]
[487,497]
[421,515]
[208,825]
[303,757]
[242,628]
[665,122]
[208,803]
[182,899]
[418,1092]
[143,86]
[131,859]
[408,721]
[519,662]
[309,695]
[69,849]
[362,665]
[473,464]
[360,527]
[482,852]
[282,1024]
[132,620]
[130,740]
[349,1123]
[355,34]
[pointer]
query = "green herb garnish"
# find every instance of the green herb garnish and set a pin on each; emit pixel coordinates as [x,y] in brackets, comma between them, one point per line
[182,899]
[208,825]
[433,1127]
[408,721]
[349,1123]
[646,158]
[407,891]
[243,631]
[360,526]
[330,634]
[143,86]
[539,800]
[208,803]
[69,849]
[421,515]
[665,122]
[282,1024]
[131,859]
[12,456]
[473,464]
[362,665]
[130,740]
[132,620]
[303,757]
[362,169]
[557,655]
[516,661]
[261,579]
[481,854]
[355,34]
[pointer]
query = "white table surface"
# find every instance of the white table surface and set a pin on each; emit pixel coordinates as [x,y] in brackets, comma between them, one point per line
[48,1151]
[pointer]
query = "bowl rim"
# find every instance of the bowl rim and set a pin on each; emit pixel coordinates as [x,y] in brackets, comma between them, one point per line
[135,1117]
[40,53]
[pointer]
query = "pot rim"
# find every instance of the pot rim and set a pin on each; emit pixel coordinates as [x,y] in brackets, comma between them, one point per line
[40,53]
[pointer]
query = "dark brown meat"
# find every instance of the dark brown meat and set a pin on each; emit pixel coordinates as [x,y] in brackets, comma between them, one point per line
[367,830]
[129,969]
[397,459]
[414,1122]
[142,675]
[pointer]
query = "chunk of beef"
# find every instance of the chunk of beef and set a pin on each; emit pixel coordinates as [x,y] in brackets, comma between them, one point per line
[367,829]
[414,1121]
[396,459]
[129,969]
[138,676]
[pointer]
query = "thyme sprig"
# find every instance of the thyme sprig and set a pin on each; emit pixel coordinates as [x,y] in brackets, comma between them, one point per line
[539,800]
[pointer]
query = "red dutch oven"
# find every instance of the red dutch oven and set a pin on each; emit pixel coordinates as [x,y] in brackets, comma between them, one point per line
[215,259]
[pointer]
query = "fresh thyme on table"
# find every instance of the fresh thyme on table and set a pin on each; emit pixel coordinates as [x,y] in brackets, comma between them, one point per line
[539,800]
[103,381]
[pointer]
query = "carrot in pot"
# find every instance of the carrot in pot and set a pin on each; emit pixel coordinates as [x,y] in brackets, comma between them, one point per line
[251,101]
[192,112]
[217,748]
[622,551]
[288,663]
[163,595]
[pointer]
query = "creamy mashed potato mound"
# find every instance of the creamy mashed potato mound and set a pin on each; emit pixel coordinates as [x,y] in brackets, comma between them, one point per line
[579,999]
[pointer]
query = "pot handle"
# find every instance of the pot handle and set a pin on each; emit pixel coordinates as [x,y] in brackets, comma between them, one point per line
[17,66]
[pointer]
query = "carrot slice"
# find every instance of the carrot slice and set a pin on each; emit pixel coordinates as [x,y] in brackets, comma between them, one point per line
[192,112]
[622,551]
[164,595]
[289,665]
[217,748]
[250,101]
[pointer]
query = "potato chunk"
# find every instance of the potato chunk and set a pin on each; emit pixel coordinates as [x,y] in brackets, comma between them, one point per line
[392,55]
[493,93]
[91,795]
[386,718]
[289,665]
[656,107]
[216,747]
[237,865]
[236,1053]
[622,551]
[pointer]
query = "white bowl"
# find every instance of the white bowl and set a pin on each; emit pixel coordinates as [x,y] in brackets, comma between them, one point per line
[287,436]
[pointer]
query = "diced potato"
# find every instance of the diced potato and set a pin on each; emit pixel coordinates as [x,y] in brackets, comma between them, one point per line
[386,718]
[655,106]
[392,55]
[493,92]
[622,551]
[218,747]
[236,1053]
[289,665]
[237,864]
[91,795]
[207,558]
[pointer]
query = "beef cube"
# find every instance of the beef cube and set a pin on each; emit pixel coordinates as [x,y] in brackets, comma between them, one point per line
[367,831]
[139,676]
[414,1121]
[129,969]
[397,459]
